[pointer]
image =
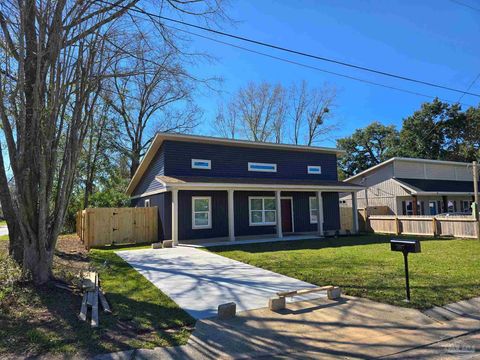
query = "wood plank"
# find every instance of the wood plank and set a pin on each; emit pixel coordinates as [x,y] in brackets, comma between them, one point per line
[83,309]
[88,282]
[303,291]
[104,302]
[95,320]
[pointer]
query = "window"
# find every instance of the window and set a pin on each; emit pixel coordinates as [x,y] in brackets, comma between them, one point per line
[262,167]
[201,212]
[409,207]
[201,164]
[466,206]
[262,211]
[451,206]
[432,205]
[313,209]
[147,203]
[314,169]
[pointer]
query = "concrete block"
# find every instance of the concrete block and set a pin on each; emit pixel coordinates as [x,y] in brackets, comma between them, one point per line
[334,293]
[157,245]
[276,303]
[227,311]
[167,244]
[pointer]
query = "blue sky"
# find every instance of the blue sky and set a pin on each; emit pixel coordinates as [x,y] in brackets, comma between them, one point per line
[436,41]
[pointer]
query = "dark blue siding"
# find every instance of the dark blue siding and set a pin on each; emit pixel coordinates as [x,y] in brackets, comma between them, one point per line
[242,227]
[156,167]
[301,211]
[219,215]
[331,211]
[164,203]
[232,161]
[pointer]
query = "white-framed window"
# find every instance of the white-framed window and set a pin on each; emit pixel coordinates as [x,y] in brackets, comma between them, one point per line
[262,211]
[313,205]
[201,164]
[432,205]
[201,212]
[147,203]
[263,167]
[316,170]
[408,207]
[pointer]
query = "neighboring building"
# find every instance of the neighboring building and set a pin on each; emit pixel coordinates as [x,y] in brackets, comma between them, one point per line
[208,187]
[415,187]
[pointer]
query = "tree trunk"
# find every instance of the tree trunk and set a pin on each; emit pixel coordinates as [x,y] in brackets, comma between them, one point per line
[38,263]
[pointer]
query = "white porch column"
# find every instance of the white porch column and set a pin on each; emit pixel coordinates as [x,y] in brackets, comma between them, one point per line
[354,212]
[175,217]
[278,203]
[231,216]
[319,213]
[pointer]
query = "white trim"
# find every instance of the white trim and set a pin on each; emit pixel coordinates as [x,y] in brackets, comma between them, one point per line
[311,169]
[292,211]
[146,203]
[209,212]
[154,192]
[231,215]
[208,167]
[320,218]
[310,208]
[263,223]
[252,164]
[175,217]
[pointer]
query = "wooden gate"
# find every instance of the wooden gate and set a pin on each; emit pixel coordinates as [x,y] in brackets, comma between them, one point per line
[99,227]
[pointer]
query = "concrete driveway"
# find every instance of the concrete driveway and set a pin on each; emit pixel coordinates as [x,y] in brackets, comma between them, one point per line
[198,281]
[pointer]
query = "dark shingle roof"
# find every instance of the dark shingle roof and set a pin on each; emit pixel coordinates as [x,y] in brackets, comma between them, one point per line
[447,186]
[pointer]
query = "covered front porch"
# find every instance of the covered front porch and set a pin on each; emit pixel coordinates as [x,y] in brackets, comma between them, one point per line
[219,213]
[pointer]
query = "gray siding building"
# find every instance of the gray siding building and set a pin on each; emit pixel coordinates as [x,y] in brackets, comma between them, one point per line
[415,187]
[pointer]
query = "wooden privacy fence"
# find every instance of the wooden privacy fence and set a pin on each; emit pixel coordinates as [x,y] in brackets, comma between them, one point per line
[99,227]
[346,216]
[456,226]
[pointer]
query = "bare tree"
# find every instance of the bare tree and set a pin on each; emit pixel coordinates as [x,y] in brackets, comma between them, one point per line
[55,57]
[309,111]
[261,109]
[158,90]
[227,122]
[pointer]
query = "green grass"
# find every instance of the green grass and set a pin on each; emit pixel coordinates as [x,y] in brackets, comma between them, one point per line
[445,271]
[3,237]
[3,223]
[43,320]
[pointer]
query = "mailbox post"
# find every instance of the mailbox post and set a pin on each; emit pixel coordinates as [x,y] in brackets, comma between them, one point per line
[406,247]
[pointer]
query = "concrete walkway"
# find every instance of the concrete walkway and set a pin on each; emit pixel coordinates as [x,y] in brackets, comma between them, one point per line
[352,328]
[199,281]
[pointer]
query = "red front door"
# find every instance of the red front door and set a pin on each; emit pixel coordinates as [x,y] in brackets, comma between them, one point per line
[287,225]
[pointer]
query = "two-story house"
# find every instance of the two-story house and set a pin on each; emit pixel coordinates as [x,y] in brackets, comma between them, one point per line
[215,188]
[407,186]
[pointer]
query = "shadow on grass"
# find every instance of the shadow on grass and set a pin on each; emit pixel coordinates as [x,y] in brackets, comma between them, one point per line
[364,239]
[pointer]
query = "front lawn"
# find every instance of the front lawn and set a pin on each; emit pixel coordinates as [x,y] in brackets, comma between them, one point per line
[43,321]
[445,271]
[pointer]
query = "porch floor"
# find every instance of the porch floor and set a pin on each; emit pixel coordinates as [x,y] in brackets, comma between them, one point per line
[248,240]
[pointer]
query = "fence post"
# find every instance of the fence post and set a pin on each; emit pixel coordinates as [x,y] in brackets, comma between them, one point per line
[434,226]
[397,225]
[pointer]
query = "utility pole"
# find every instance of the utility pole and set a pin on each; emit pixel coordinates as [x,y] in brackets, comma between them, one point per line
[475,190]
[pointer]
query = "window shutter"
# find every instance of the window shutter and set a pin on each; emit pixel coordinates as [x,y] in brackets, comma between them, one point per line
[404,208]
[454,206]
[422,207]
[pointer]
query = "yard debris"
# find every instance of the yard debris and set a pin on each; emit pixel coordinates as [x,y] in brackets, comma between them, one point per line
[91,298]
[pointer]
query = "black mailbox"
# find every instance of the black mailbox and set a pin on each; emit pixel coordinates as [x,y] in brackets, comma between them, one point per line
[407,246]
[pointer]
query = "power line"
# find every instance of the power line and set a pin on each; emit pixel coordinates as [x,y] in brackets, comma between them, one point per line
[311,67]
[469,87]
[465,5]
[296,52]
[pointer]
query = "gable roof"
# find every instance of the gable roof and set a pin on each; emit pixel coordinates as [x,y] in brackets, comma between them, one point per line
[161,137]
[396,158]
